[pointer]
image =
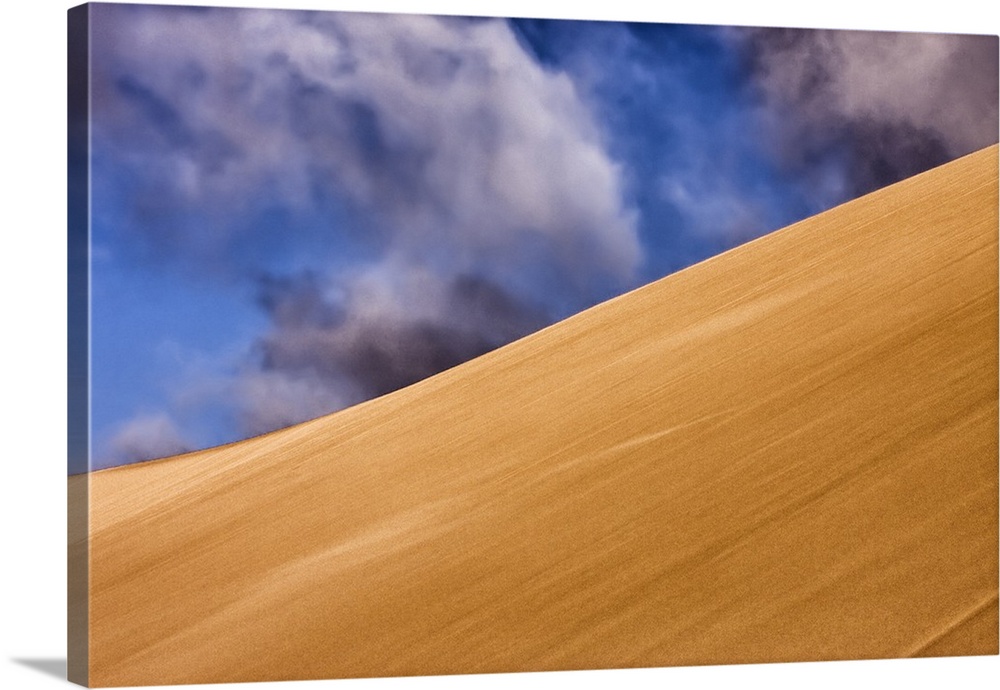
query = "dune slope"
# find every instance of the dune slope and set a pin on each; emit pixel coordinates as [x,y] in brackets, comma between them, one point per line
[787,452]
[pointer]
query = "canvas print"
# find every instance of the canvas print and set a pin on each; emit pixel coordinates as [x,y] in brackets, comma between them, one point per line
[411,345]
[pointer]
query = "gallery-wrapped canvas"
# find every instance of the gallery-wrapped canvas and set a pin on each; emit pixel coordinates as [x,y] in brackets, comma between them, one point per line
[415,345]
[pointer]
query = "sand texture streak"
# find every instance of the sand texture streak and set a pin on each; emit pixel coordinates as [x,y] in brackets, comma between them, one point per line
[787,452]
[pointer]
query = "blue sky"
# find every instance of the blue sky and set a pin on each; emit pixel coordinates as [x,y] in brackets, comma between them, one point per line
[296,211]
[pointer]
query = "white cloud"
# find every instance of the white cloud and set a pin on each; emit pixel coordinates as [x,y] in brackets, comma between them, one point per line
[444,130]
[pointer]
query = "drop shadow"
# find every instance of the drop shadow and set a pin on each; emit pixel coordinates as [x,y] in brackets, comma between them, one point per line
[49,666]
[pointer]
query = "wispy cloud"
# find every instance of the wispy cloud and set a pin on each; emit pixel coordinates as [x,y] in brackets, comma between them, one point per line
[145,437]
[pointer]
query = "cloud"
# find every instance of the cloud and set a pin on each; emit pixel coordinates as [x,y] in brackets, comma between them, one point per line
[450,142]
[269,400]
[375,334]
[711,206]
[886,105]
[146,437]
[671,98]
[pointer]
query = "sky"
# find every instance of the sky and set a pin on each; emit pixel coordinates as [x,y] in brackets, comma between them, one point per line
[293,212]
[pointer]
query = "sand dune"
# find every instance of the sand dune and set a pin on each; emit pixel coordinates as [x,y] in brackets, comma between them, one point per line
[787,452]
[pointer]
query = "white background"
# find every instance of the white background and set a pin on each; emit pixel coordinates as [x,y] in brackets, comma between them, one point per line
[33,334]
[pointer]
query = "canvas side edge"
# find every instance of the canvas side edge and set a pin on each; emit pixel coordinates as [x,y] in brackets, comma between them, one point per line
[78,343]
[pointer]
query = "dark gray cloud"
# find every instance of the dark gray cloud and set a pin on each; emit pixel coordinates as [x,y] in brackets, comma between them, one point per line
[884,105]
[359,342]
